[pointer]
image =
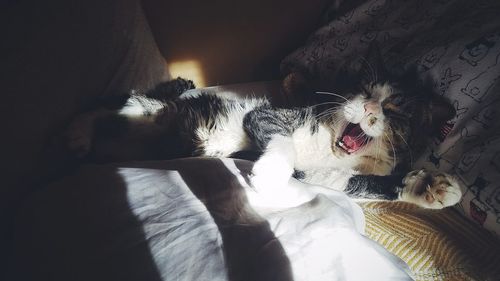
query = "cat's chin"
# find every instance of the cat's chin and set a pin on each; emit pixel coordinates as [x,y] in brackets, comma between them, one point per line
[352,140]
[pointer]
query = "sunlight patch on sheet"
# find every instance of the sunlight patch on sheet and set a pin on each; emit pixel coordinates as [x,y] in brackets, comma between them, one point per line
[322,235]
[183,239]
[321,238]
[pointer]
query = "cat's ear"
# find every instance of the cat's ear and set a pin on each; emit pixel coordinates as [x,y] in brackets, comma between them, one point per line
[441,111]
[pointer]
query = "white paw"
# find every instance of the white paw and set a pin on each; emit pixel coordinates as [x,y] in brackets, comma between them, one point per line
[270,171]
[275,165]
[271,195]
[431,189]
[272,182]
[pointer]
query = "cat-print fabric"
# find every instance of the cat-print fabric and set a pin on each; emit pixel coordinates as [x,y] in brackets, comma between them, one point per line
[457,44]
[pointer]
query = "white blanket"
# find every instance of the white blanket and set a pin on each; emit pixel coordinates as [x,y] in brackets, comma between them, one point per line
[190,219]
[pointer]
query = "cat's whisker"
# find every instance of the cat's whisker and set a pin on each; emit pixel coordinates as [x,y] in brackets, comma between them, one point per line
[409,147]
[374,143]
[364,143]
[372,76]
[318,112]
[373,72]
[326,103]
[332,94]
[377,148]
[379,127]
[393,151]
[328,112]
[338,122]
[361,135]
[367,141]
[322,115]
[336,108]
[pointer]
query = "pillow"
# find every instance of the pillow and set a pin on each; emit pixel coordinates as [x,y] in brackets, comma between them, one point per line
[457,44]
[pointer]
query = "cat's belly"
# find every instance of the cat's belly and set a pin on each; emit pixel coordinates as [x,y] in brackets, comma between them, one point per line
[223,143]
[226,136]
[314,151]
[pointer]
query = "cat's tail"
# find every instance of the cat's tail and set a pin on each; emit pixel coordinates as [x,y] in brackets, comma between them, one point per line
[170,90]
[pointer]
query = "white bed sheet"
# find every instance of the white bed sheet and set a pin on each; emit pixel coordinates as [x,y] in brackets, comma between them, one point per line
[190,219]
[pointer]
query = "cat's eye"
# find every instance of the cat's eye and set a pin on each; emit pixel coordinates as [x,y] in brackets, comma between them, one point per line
[366,93]
[397,100]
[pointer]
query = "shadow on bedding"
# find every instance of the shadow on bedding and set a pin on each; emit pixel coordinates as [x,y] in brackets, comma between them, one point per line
[81,228]
[139,221]
[252,251]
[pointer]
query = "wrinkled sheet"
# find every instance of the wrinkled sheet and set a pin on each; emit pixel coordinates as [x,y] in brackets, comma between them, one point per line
[190,219]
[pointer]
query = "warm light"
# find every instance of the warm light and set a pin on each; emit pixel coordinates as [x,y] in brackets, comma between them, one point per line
[188,69]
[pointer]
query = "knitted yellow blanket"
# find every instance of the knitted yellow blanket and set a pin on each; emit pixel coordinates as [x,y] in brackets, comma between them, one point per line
[436,244]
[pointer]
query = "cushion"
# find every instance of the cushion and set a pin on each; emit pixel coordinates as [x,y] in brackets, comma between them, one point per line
[457,44]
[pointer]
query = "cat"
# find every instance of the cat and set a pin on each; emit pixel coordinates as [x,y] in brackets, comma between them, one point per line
[368,134]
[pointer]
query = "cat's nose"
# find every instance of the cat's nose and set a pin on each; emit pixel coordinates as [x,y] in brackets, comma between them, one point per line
[372,108]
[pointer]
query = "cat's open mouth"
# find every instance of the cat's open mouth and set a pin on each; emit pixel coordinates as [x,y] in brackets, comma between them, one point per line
[353,138]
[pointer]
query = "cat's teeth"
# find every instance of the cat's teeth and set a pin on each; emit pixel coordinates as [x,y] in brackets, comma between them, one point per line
[344,147]
[341,144]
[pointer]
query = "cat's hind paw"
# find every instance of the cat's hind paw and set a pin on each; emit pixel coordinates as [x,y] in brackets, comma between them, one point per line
[78,144]
[79,135]
[430,189]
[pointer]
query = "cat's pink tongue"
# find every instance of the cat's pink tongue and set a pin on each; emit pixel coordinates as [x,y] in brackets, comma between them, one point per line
[353,140]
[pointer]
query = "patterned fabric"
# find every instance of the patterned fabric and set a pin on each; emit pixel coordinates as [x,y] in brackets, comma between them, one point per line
[457,44]
[437,245]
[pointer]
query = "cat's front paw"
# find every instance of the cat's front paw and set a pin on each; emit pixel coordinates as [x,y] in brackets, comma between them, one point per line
[271,173]
[274,188]
[430,189]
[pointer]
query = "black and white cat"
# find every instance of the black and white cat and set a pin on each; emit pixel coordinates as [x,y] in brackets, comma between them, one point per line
[352,142]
